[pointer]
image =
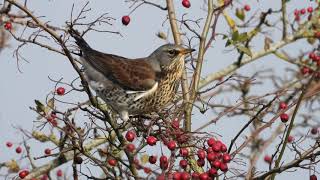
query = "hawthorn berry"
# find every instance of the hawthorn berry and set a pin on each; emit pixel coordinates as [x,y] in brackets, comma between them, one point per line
[183,163]
[60,91]
[59,173]
[226,157]
[313,177]
[217,146]
[296,12]
[47,151]
[152,159]
[195,175]
[213,172]
[290,139]
[130,147]
[223,148]
[9,144]
[302,11]
[204,176]
[186,3]
[267,159]
[18,150]
[283,105]
[247,7]
[125,20]
[130,135]
[176,176]
[185,176]
[201,154]
[164,162]
[284,117]
[211,142]
[175,124]
[184,152]
[317,34]
[305,70]
[151,140]
[224,167]
[112,162]
[314,130]
[310,9]
[201,162]
[8,26]
[211,156]
[23,174]
[216,164]
[171,145]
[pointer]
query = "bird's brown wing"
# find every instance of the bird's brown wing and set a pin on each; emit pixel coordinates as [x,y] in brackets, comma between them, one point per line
[132,75]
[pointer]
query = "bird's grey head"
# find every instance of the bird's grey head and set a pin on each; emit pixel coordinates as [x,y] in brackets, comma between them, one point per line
[167,54]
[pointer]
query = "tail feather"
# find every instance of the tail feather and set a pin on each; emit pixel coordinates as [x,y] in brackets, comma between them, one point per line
[83,45]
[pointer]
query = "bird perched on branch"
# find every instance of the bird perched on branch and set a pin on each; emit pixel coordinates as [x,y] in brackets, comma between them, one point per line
[133,86]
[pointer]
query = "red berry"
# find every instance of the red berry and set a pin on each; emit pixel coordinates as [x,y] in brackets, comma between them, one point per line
[184,152]
[151,140]
[204,176]
[130,135]
[201,154]
[296,12]
[314,130]
[201,162]
[290,139]
[302,11]
[183,163]
[195,175]
[152,159]
[313,177]
[267,159]
[223,148]
[130,147]
[47,151]
[59,173]
[175,124]
[186,3]
[9,144]
[217,146]
[310,9]
[112,162]
[125,20]
[211,156]
[147,170]
[317,34]
[312,55]
[247,7]
[23,174]
[60,91]
[176,176]
[284,117]
[213,171]
[8,26]
[171,145]
[18,150]
[224,167]
[283,105]
[305,70]
[164,162]
[211,142]
[226,157]
[44,177]
[185,176]
[216,164]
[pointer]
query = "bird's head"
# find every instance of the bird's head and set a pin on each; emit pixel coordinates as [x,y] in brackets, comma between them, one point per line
[169,54]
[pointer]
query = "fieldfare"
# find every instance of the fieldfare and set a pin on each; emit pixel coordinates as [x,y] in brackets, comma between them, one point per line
[133,86]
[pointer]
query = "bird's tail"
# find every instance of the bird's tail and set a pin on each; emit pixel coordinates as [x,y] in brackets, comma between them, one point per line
[83,45]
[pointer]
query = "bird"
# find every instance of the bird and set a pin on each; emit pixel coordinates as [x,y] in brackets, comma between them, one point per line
[133,86]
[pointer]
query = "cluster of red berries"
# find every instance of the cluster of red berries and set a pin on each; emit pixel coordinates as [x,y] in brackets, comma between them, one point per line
[52,119]
[314,60]
[283,116]
[298,13]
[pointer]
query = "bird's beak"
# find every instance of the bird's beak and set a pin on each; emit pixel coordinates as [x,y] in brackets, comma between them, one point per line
[186,51]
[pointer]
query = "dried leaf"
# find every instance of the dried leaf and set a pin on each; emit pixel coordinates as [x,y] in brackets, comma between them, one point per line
[240,14]
[144,159]
[162,35]
[267,42]
[39,106]
[13,166]
[245,50]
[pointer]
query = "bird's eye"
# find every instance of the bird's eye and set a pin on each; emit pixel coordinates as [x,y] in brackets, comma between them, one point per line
[172,52]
